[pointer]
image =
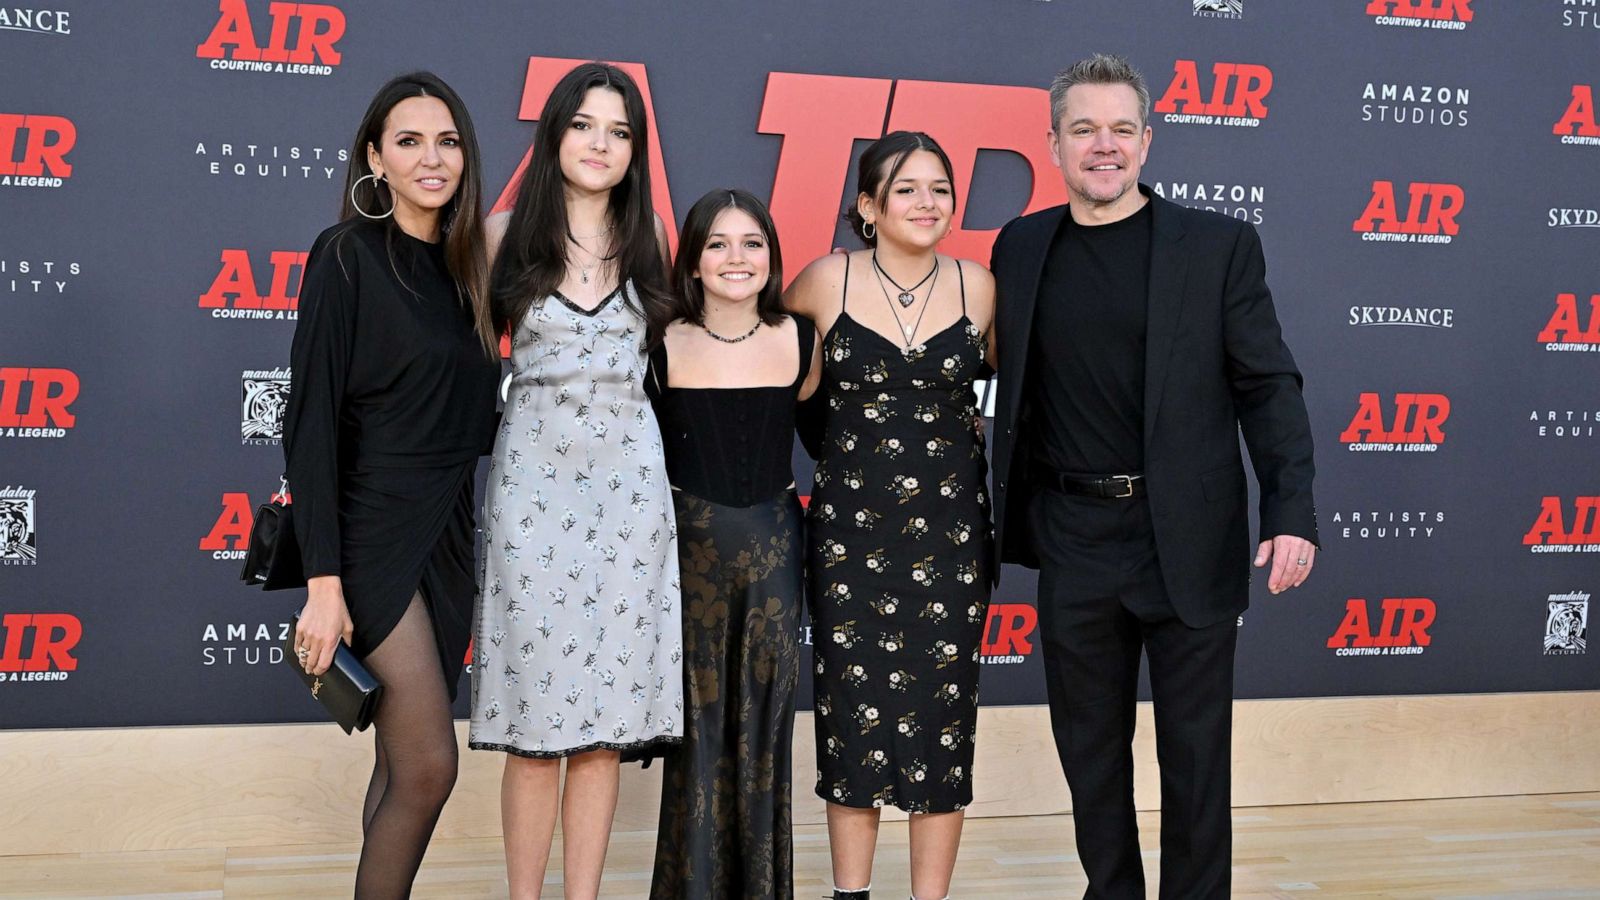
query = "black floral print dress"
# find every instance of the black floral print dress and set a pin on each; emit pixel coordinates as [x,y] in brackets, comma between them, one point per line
[899,561]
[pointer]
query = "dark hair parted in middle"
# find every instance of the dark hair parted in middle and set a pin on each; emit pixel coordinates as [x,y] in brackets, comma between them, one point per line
[533,253]
[881,163]
[461,220]
[689,296]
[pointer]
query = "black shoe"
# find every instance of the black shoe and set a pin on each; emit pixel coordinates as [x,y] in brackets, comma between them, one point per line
[851,895]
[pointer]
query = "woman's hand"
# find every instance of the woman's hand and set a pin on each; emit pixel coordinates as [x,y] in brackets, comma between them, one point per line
[323,623]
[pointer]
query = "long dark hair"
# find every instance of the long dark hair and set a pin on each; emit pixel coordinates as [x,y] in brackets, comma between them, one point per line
[689,294]
[461,219]
[533,253]
[879,165]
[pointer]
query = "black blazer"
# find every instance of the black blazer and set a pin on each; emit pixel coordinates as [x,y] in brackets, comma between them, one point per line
[1215,364]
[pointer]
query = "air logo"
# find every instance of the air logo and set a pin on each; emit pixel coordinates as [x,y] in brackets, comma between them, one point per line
[1554,532]
[1403,630]
[1447,15]
[36,403]
[38,646]
[1577,125]
[229,537]
[236,293]
[1429,216]
[1238,95]
[1566,332]
[814,161]
[1006,633]
[313,28]
[1417,424]
[44,143]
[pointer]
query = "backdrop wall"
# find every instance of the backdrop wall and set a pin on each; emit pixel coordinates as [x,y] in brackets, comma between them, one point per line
[1423,174]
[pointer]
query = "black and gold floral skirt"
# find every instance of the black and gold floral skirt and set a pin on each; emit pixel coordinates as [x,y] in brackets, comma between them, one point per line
[725,798]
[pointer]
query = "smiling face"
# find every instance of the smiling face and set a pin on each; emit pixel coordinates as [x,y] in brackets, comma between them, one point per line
[421,160]
[736,259]
[918,206]
[598,143]
[1100,144]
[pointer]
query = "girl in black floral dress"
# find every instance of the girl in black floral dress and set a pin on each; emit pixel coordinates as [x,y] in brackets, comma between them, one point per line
[899,518]
[725,375]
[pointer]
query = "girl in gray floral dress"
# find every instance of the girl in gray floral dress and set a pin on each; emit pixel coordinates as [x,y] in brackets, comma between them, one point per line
[578,644]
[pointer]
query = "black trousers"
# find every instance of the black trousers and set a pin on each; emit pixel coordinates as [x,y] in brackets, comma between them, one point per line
[1102,602]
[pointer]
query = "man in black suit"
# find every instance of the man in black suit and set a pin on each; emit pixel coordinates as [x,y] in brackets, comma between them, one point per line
[1136,338]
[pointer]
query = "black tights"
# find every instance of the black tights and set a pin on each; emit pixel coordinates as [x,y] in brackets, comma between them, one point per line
[416,757]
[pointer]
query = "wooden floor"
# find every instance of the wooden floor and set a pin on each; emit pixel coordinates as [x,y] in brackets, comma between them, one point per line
[1528,846]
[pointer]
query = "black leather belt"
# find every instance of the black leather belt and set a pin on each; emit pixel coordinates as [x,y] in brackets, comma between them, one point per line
[1110,487]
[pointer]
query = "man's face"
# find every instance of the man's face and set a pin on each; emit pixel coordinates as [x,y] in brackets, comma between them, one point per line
[1099,142]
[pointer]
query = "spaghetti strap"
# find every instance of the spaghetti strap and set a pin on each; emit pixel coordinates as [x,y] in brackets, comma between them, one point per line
[844,296]
[806,336]
[963,277]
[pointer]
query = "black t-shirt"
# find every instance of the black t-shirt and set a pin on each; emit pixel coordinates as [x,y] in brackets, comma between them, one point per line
[1086,378]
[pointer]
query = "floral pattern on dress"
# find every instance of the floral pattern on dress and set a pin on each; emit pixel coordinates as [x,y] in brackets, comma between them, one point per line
[578,641]
[899,561]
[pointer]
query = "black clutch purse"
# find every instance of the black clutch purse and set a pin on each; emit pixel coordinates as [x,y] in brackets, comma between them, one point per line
[347,690]
[272,559]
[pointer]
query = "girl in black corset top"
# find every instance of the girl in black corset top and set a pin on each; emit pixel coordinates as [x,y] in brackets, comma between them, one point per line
[726,371]
[898,526]
[395,364]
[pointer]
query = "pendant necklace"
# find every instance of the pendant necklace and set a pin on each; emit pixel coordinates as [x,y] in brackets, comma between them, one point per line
[906,295]
[910,331]
[595,260]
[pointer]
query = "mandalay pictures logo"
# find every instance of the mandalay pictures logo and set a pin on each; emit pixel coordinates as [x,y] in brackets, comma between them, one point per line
[35,20]
[264,397]
[301,39]
[19,541]
[1566,624]
[1237,96]
[1219,9]
[1440,15]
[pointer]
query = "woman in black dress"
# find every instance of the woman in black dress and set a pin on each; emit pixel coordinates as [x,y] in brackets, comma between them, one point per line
[725,373]
[392,400]
[899,555]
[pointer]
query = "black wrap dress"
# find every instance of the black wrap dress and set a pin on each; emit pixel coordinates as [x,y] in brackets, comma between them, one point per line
[392,401]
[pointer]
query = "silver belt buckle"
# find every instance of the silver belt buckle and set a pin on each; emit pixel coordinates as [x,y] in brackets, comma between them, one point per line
[1127,482]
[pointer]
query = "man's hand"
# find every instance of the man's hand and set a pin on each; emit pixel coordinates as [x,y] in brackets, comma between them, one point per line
[1291,557]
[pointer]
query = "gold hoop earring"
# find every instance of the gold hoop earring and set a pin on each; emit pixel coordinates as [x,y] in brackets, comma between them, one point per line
[357,207]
